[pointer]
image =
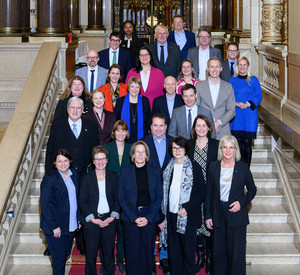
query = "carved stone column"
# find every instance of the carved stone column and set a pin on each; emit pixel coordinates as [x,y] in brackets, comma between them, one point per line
[285,21]
[52,17]
[95,15]
[73,6]
[25,16]
[271,21]
[220,14]
[10,16]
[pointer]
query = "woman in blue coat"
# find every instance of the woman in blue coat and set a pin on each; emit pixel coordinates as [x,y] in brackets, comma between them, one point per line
[59,211]
[248,96]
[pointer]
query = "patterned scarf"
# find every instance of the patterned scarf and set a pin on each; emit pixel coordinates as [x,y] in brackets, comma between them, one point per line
[185,194]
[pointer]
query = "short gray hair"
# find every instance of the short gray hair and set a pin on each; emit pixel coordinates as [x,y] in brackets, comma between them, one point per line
[133,147]
[161,27]
[74,98]
[232,139]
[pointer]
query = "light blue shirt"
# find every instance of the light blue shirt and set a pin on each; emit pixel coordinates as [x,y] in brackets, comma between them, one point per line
[180,39]
[170,104]
[78,125]
[165,50]
[72,200]
[160,149]
[234,65]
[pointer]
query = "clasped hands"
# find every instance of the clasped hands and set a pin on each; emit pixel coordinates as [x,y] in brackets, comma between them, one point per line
[104,223]
[242,105]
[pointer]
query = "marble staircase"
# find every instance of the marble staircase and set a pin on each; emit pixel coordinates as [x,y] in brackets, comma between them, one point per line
[270,237]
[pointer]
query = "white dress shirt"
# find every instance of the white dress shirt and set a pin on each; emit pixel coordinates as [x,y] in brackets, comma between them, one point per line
[145,79]
[102,203]
[174,195]
[203,58]
[214,91]
[194,113]
[89,77]
[111,55]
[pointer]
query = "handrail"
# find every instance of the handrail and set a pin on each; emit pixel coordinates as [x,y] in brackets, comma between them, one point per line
[22,141]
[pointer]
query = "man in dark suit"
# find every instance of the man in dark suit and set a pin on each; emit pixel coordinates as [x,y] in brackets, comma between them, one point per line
[183,38]
[79,140]
[165,104]
[183,117]
[93,75]
[166,55]
[200,55]
[229,64]
[115,55]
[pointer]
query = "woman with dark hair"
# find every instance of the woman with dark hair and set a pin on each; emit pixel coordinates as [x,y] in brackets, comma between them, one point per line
[76,87]
[151,77]
[130,40]
[134,110]
[59,211]
[140,197]
[186,76]
[104,119]
[203,150]
[113,89]
[181,206]
[225,208]
[98,201]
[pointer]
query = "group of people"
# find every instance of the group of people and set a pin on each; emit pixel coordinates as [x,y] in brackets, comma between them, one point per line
[162,146]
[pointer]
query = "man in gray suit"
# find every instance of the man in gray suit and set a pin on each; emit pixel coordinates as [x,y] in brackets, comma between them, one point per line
[200,55]
[229,64]
[93,75]
[183,117]
[218,96]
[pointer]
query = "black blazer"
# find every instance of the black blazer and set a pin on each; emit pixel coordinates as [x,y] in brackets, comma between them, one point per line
[225,73]
[135,45]
[173,62]
[113,157]
[241,177]
[153,160]
[103,134]
[55,205]
[89,194]
[61,136]
[128,194]
[160,106]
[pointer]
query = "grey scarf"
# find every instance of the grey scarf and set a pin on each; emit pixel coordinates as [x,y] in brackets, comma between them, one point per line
[185,194]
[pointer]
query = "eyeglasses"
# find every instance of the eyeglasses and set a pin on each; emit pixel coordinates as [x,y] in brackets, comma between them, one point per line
[177,149]
[204,36]
[100,159]
[115,40]
[75,108]
[144,55]
[140,152]
[92,57]
[232,51]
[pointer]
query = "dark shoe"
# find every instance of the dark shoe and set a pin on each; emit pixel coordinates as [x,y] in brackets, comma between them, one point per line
[200,262]
[101,270]
[47,252]
[154,267]
[121,267]
[207,266]
[164,265]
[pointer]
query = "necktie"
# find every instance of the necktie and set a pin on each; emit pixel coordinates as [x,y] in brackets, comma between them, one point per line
[75,132]
[231,68]
[115,57]
[92,81]
[162,56]
[189,123]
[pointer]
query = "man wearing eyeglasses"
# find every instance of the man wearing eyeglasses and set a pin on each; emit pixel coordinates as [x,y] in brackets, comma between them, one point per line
[93,75]
[200,55]
[229,64]
[115,55]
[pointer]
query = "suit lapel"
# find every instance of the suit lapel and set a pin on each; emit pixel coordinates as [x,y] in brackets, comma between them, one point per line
[220,95]
[235,180]
[165,105]
[208,94]
[115,154]
[184,123]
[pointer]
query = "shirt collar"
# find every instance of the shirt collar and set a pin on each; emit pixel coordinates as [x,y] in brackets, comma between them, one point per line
[69,173]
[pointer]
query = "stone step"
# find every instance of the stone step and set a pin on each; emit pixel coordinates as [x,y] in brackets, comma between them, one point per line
[268,196]
[265,180]
[33,196]
[31,214]
[265,165]
[41,269]
[270,233]
[260,253]
[274,269]
[260,213]
[29,233]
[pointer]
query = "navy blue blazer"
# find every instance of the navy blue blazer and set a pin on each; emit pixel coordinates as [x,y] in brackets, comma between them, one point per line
[124,61]
[128,194]
[55,205]
[160,106]
[153,160]
[190,42]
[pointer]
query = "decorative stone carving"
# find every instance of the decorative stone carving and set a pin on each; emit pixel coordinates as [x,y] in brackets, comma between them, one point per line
[272,72]
[285,21]
[271,22]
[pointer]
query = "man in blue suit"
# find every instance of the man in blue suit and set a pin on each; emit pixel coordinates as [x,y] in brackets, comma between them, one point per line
[158,142]
[115,55]
[93,75]
[183,38]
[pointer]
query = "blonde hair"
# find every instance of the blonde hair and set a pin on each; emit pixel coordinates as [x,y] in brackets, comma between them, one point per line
[232,139]
[236,72]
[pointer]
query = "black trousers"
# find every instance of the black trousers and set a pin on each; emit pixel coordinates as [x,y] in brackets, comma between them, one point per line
[229,247]
[96,237]
[139,246]
[60,249]
[181,248]
[120,242]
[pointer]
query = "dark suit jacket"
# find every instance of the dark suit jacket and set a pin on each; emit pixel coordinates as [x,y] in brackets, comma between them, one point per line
[128,194]
[160,106]
[103,134]
[89,194]
[173,62]
[225,73]
[124,61]
[135,45]
[153,160]
[55,205]
[113,157]
[190,42]
[241,177]
[61,136]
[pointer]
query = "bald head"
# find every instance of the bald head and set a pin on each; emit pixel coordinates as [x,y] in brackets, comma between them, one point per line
[170,85]
[92,59]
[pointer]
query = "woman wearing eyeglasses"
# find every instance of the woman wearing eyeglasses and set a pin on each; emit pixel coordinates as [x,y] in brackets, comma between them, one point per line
[181,206]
